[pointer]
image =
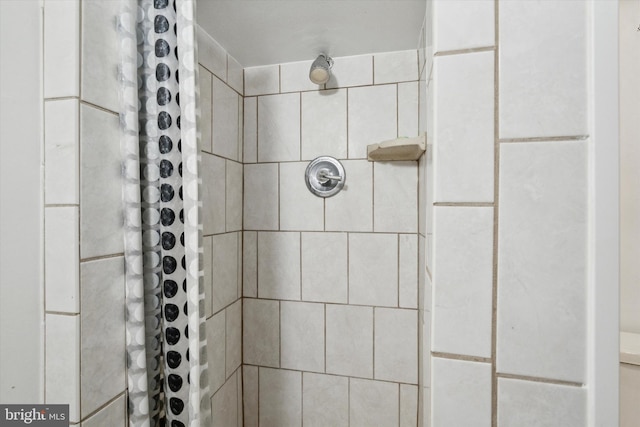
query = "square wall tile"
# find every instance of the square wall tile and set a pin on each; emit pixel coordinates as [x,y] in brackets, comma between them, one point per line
[102,349]
[542,255]
[395,197]
[279,128]
[213,194]
[373,403]
[250,130]
[100,54]
[392,67]
[524,403]
[543,80]
[261,197]
[372,117]
[101,176]
[463,280]
[262,80]
[408,405]
[225,120]
[233,191]
[261,333]
[324,267]
[352,208]
[233,325]
[325,400]
[461,394]
[350,71]
[250,264]
[224,405]
[61,66]
[235,75]
[294,77]
[461,24]
[211,55]
[324,124]
[349,335]
[250,395]
[216,332]
[225,266]
[463,129]
[207,267]
[396,345]
[373,269]
[62,152]
[302,336]
[408,109]
[299,208]
[206,108]
[280,398]
[61,257]
[279,265]
[408,271]
[62,362]
[114,414]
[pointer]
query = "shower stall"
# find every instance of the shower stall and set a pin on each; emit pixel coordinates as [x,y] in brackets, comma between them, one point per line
[475,285]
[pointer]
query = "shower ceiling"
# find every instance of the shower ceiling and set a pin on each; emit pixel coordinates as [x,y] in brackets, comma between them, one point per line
[261,32]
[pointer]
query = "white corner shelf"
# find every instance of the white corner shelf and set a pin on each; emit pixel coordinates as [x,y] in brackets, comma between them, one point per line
[397,149]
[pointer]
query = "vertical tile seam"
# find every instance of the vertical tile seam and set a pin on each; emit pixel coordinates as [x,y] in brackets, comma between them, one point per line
[78,334]
[496,216]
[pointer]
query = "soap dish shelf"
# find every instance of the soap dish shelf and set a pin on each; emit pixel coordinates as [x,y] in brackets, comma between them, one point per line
[397,149]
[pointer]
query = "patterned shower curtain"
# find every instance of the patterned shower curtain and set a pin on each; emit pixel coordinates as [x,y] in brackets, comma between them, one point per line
[165,323]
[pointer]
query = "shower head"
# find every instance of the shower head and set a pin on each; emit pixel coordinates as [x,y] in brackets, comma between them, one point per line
[320,71]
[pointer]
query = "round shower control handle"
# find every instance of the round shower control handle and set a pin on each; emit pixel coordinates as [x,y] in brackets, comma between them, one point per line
[325,176]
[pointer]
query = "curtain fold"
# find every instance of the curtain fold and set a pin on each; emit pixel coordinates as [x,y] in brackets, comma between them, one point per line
[165,324]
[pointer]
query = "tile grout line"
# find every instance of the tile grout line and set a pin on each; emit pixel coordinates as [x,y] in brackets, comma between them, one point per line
[540,380]
[496,210]
[463,51]
[565,138]
[464,357]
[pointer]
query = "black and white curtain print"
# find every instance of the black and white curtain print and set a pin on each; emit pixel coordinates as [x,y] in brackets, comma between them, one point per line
[165,325]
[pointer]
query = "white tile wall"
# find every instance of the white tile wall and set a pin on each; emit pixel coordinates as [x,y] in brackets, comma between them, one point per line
[216,333]
[464,153]
[373,269]
[224,405]
[225,265]
[114,414]
[463,280]
[250,264]
[279,265]
[61,129]
[324,267]
[279,128]
[261,80]
[352,208]
[233,192]
[408,405]
[62,377]
[213,194]
[461,394]
[350,71]
[103,361]
[556,62]
[524,403]
[100,54]
[408,271]
[392,67]
[233,341]
[372,117]
[460,24]
[408,97]
[61,66]
[226,141]
[349,335]
[235,74]
[101,175]
[261,334]
[206,110]
[299,208]
[542,260]
[373,403]
[261,197]
[395,192]
[325,400]
[280,398]
[294,77]
[396,346]
[250,395]
[211,55]
[250,130]
[61,255]
[302,336]
[324,124]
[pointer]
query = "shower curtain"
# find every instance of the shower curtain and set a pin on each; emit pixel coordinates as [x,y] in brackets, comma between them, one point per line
[165,324]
